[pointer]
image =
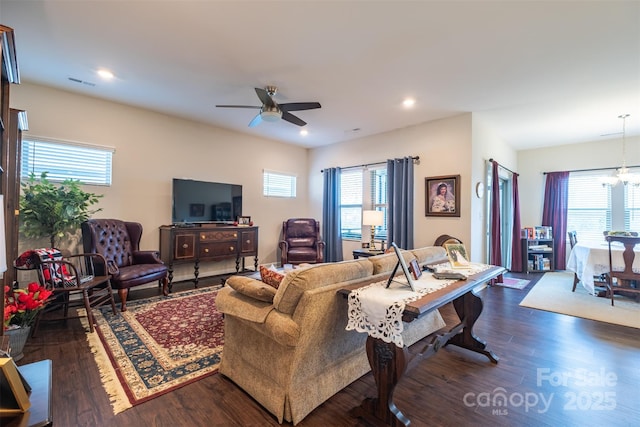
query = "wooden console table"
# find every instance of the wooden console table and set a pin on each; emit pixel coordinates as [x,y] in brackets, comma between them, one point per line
[207,242]
[390,362]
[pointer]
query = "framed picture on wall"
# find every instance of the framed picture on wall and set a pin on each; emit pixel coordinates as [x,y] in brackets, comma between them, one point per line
[442,196]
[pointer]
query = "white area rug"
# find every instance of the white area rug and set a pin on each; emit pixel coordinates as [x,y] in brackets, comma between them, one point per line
[553,293]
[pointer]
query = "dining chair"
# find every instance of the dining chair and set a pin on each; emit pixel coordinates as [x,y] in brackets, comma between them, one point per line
[625,281]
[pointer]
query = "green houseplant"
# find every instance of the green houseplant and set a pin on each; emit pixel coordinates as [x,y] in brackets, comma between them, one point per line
[49,210]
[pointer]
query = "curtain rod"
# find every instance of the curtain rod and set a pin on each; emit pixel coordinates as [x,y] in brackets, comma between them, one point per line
[415,160]
[594,169]
[505,168]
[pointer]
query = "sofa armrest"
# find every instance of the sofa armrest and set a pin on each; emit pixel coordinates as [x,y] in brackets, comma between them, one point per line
[252,288]
[233,303]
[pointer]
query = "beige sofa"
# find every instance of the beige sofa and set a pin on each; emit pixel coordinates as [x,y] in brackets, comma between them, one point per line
[289,348]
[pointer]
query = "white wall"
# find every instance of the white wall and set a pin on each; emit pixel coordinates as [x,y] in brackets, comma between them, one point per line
[152,148]
[444,147]
[604,153]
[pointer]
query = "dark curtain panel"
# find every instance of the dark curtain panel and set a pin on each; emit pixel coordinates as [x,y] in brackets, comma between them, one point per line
[331,215]
[400,200]
[495,255]
[516,246]
[554,213]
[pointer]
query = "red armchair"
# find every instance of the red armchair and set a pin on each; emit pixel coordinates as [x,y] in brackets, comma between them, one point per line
[301,242]
[119,243]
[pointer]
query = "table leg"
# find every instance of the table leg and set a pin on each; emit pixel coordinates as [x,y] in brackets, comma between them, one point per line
[388,364]
[469,307]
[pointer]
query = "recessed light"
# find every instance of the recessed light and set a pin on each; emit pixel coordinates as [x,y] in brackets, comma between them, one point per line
[408,102]
[105,74]
[304,132]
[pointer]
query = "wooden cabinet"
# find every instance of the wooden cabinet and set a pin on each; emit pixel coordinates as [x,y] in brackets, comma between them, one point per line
[537,255]
[207,243]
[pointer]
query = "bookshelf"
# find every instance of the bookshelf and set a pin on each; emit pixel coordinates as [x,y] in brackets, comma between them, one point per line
[537,255]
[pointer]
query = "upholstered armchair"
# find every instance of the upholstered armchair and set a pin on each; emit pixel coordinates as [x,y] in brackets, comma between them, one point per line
[301,242]
[119,243]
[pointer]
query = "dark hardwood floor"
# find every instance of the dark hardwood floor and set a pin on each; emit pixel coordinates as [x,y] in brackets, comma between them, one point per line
[554,370]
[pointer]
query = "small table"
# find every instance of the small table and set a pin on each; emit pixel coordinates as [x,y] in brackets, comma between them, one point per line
[366,253]
[390,362]
[38,376]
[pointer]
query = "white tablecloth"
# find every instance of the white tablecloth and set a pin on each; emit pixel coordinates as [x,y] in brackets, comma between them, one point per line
[377,310]
[588,259]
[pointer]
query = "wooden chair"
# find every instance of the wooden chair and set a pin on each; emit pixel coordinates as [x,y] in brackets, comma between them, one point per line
[75,274]
[625,281]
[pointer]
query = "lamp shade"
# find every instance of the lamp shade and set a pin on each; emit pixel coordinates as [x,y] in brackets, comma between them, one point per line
[372,218]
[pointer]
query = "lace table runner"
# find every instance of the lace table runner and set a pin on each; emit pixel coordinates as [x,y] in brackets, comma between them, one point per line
[377,310]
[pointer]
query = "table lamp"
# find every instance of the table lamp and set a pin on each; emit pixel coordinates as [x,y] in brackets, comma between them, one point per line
[372,218]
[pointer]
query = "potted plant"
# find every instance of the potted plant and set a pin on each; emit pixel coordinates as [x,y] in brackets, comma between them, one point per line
[48,210]
[21,307]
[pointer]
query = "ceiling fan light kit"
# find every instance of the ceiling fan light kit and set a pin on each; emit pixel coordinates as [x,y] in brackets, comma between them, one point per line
[271,111]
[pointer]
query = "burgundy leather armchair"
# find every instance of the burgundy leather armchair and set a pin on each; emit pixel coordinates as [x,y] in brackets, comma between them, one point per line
[301,242]
[119,243]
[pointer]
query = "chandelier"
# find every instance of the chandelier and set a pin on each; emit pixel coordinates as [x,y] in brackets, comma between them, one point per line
[623,174]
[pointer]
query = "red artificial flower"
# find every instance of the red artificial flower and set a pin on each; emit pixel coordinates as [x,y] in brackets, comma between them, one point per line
[21,306]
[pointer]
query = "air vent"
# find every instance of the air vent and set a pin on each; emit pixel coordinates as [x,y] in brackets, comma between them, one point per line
[73,79]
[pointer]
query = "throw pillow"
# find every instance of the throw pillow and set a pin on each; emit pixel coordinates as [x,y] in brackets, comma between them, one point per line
[270,277]
[252,288]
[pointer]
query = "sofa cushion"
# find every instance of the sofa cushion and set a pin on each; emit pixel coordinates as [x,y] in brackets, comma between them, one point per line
[252,288]
[386,262]
[430,255]
[271,277]
[296,282]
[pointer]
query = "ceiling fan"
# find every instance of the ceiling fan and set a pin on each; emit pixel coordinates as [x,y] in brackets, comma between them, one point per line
[271,111]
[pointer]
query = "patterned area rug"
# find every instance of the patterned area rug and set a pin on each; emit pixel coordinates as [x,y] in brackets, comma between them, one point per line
[157,345]
[509,282]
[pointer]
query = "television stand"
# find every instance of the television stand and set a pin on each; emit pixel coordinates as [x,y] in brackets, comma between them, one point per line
[207,243]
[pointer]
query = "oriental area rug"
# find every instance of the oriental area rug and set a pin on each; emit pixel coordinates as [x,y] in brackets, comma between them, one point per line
[553,293]
[158,345]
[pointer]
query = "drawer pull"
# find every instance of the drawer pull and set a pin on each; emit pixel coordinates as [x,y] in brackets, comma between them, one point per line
[248,242]
[231,249]
[235,234]
[185,246]
[206,250]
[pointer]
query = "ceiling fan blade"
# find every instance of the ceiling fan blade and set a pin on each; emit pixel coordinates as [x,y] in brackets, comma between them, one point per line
[238,106]
[292,119]
[299,106]
[265,97]
[256,121]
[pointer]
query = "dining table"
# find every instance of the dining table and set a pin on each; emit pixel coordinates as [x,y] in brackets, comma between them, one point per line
[590,258]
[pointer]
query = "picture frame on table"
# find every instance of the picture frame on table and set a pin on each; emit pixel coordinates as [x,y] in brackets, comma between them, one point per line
[244,220]
[442,196]
[457,254]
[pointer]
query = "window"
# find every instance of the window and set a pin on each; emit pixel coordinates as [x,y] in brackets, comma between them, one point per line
[66,160]
[590,209]
[278,184]
[362,189]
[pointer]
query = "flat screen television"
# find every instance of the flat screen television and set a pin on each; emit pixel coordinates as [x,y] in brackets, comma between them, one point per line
[205,202]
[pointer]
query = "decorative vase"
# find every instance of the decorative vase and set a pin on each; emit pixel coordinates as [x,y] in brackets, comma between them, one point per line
[17,340]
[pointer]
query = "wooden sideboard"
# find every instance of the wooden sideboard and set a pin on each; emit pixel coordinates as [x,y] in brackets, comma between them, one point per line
[207,242]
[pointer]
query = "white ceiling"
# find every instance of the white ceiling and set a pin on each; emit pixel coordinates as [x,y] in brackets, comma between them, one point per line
[539,73]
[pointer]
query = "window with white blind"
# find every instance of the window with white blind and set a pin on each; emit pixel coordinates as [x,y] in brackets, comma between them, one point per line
[278,184]
[362,189]
[63,160]
[594,208]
